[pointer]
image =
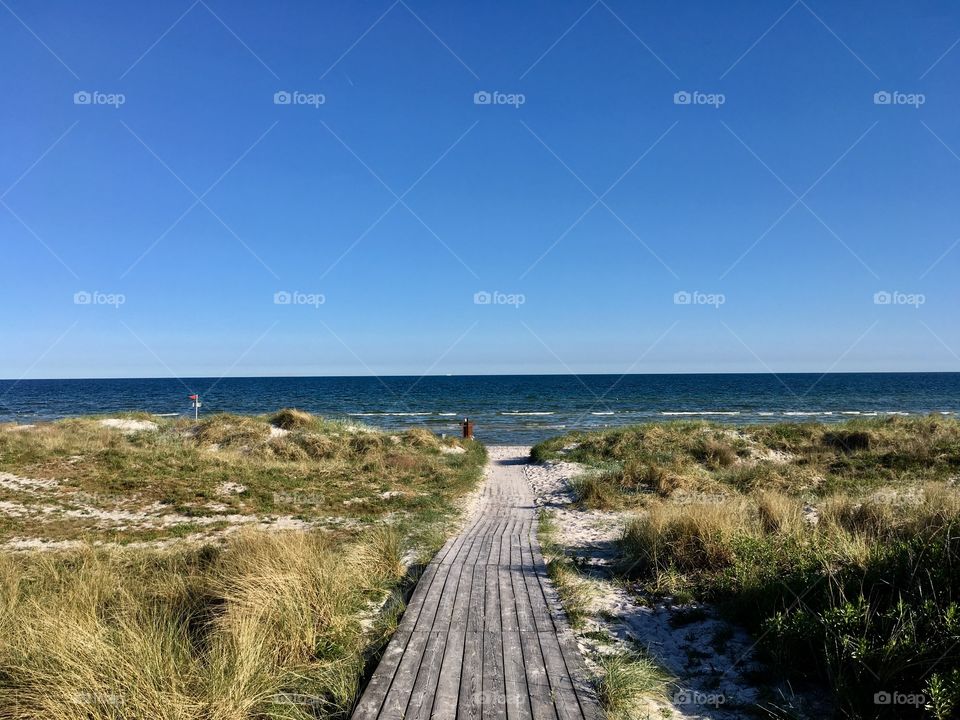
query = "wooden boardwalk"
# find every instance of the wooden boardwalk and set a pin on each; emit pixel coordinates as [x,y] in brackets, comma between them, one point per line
[484,635]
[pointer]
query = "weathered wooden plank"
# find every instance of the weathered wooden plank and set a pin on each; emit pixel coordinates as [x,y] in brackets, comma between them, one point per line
[491,601]
[504,556]
[420,706]
[475,614]
[369,706]
[508,601]
[431,601]
[412,612]
[515,676]
[586,693]
[448,687]
[395,704]
[494,691]
[564,696]
[538,685]
[425,686]
[470,703]
[538,606]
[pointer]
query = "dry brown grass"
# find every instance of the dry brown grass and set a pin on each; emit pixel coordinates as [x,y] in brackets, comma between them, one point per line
[252,624]
[780,513]
[269,625]
[688,536]
[292,419]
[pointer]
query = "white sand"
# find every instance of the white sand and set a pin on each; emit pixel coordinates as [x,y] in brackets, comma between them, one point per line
[129,425]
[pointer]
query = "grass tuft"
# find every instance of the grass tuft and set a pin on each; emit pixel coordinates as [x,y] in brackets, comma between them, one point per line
[628,682]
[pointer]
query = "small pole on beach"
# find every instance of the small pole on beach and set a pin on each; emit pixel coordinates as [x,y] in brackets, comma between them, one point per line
[196,406]
[467,426]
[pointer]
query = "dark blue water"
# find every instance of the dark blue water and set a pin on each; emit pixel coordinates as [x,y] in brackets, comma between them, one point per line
[506,409]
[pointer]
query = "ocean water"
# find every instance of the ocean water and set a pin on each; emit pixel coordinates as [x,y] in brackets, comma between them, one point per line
[506,408]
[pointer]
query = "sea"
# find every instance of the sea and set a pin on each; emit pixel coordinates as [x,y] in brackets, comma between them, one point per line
[505,409]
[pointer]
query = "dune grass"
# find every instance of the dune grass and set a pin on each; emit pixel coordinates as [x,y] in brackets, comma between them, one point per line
[267,626]
[222,468]
[836,545]
[627,683]
[253,623]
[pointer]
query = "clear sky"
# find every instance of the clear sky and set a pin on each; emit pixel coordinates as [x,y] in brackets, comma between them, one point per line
[157,193]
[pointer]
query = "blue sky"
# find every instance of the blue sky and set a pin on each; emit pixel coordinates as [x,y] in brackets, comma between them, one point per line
[583,198]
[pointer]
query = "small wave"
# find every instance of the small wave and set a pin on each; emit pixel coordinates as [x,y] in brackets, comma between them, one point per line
[702,412]
[541,412]
[448,414]
[389,414]
[811,413]
[610,412]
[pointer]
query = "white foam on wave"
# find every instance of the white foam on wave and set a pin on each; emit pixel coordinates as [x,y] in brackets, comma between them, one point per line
[389,414]
[539,412]
[810,413]
[610,412]
[702,412]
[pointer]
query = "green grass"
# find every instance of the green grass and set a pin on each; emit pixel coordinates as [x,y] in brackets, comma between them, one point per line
[836,545]
[627,682]
[699,457]
[253,623]
[573,589]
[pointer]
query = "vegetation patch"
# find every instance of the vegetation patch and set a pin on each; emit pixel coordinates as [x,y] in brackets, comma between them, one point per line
[837,546]
[273,612]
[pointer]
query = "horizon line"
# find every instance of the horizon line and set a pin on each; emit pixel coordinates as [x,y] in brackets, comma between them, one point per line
[480,375]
